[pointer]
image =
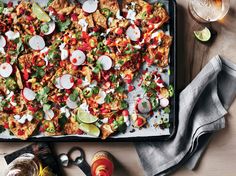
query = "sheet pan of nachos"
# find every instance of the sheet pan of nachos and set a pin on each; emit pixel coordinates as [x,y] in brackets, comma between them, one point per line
[92,69]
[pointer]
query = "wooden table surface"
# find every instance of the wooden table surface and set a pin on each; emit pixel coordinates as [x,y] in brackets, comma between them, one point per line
[220,157]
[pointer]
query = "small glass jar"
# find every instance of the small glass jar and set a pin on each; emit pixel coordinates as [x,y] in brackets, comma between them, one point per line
[24,165]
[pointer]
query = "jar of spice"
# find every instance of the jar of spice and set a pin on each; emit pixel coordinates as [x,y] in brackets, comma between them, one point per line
[102,164]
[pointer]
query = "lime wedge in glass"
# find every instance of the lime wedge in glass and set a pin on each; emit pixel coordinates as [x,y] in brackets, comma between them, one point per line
[40,13]
[90,129]
[203,35]
[85,117]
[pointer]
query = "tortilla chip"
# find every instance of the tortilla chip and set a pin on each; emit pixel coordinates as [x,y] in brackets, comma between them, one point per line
[107,130]
[18,78]
[112,5]
[66,10]
[26,129]
[59,4]
[99,19]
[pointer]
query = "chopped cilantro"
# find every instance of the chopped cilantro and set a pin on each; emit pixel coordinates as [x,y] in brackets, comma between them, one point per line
[108,98]
[44,28]
[62,26]
[95,90]
[2,129]
[42,95]
[124,104]
[39,73]
[62,120]
[74,95]
[167,110]
[120,89]
[113,78]
[46,107]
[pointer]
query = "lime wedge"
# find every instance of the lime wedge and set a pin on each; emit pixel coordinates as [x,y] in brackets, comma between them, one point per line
[85,117]
[90,129]
[203,35]
[40,13]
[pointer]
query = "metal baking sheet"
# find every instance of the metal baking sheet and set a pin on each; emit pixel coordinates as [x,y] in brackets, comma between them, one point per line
[150,133]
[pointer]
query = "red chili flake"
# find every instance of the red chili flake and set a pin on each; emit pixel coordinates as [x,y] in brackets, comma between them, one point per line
[119,31]
[130,88]
[79,81]
[6,125]
[20,132]
[74,17]
[139,121]
[10,4]
[125,112]
[61,17]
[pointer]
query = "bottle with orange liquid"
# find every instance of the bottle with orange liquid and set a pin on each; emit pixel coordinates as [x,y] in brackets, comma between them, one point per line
[102,164]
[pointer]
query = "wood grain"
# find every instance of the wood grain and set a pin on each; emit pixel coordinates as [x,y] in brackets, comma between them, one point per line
[220,157]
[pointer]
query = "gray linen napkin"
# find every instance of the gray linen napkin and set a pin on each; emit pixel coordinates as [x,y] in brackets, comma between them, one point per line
[202,106]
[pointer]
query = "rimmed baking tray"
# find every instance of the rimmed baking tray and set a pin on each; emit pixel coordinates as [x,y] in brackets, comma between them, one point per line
[139,135]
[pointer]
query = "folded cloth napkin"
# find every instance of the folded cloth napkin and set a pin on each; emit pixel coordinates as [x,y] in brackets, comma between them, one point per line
[202,106]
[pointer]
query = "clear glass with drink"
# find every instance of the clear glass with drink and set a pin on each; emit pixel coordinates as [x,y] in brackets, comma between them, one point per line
[208,10]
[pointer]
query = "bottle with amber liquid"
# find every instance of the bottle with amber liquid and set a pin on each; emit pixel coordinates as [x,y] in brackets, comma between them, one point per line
[102,164]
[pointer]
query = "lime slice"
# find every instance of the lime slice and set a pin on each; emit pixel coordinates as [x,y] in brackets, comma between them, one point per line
[90,129]
[40,13]
[85,117]
[203,35]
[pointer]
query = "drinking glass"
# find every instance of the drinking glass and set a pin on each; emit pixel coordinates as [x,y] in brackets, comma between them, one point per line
[208,10]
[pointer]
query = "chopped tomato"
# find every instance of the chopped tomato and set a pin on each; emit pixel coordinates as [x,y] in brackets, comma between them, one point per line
[125,112]
[130,88]
[73,41]
[139,122]
[61,17]
[79,131]
[74,17]
[25,74]
[128,79]
[79,81]
[10,4]
[111,120]
[149,9]
[119,31]
[20,132]
[6,125]
[32,109]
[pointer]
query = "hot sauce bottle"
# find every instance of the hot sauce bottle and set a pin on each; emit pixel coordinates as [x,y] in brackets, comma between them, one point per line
[102,164]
